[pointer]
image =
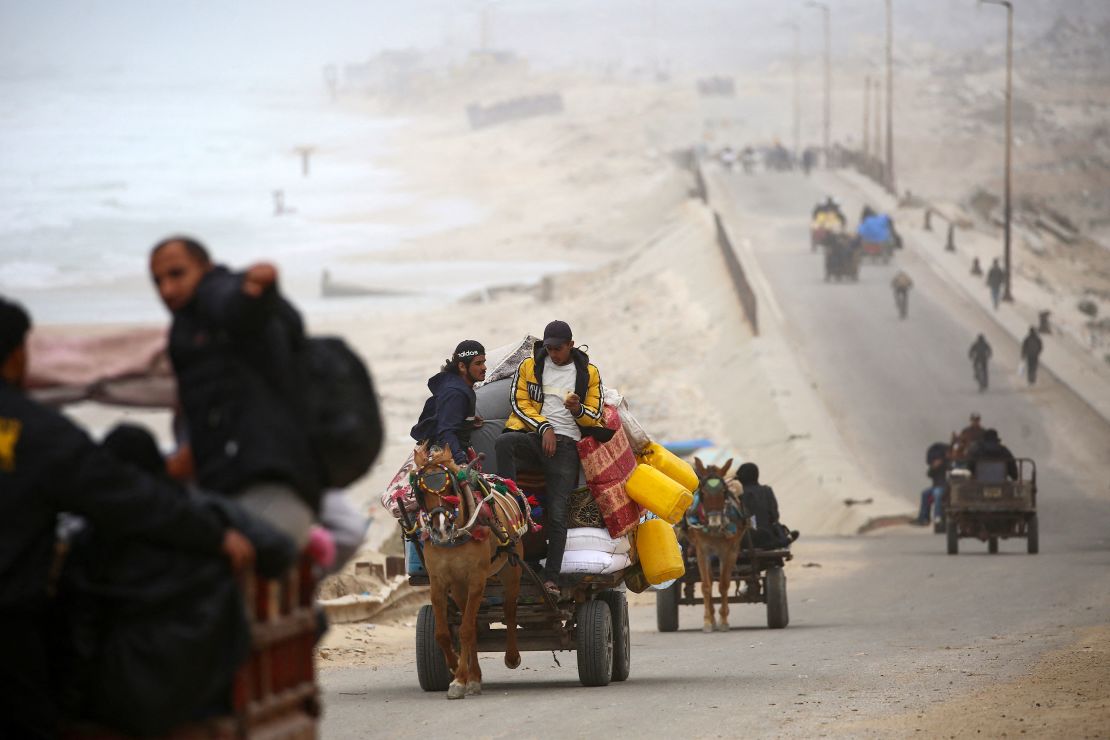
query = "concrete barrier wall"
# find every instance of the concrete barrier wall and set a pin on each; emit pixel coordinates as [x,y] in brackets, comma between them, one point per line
[736,272]
[513,109]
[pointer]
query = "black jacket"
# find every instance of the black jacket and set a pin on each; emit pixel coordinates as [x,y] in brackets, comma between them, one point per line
[48,465]
[988,450]
[995,276]
[444,418]
[936,458]
[157,634]
[980,351]
[759,501]
[243,385]
[1032,346]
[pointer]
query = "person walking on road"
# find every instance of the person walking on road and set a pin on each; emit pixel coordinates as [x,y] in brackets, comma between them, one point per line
[901,285]
[980,354]
[1031,350]
[995,278]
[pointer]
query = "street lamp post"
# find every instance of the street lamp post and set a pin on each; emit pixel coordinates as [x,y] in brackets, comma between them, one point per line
[867,115]
[890,101]
[797,87]
[1006,294]
[828,73]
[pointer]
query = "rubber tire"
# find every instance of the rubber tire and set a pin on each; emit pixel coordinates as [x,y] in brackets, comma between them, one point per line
[953,538]
[666,608]
[431,665]
[1032,534]
[622,639]
[778,611]
[595,643]
[992,545]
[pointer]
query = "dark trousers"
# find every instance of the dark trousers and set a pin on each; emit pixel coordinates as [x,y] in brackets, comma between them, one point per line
[1031,368]
[27,707]
[524,451]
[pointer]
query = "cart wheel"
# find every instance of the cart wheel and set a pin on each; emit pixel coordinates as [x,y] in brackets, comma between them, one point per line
[1033,540]
[595,643]
[431,666]
[666,607]
[953,537]
[778,614]
[992,545]
[622,639]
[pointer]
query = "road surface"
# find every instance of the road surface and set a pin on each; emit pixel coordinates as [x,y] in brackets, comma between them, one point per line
[889,623]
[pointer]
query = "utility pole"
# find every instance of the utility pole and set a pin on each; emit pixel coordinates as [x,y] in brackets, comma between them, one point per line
[828,73]
[1006,294]
[867,114]
[797,86]
[890,185]
[878,139]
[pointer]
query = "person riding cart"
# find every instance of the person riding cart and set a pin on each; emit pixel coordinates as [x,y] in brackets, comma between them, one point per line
[448,416]
[759,502]
[556,400]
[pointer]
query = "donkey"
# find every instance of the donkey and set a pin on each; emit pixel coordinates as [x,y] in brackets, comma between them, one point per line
[472,533]
[715,524]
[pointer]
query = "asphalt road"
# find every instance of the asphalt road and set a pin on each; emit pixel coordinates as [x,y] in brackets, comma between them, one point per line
[889,623]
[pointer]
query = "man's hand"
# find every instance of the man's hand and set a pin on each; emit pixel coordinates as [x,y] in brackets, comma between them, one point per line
[259,279]
[238,549]
[549,442]
[181,465]
[573,404]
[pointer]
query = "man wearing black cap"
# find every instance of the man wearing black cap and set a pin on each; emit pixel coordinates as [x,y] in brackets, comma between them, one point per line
[556,400]
[47,466]
[448,416]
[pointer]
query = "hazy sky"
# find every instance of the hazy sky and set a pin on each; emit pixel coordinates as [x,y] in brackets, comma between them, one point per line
[279,39]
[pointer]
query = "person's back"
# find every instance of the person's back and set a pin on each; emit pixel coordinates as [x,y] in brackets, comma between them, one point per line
[990,449]
[762,507]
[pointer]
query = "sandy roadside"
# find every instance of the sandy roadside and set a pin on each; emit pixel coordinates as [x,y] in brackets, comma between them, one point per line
[1065,694]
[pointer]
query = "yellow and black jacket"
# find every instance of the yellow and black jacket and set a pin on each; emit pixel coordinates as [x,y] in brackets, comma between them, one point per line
[527,396]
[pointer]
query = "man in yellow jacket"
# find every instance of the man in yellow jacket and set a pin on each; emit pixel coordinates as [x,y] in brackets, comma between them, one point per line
[556,400]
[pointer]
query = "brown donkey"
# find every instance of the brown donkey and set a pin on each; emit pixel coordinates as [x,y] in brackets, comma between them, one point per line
[715,524]
[469,532]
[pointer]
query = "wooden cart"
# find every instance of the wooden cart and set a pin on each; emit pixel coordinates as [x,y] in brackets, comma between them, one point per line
[759,579]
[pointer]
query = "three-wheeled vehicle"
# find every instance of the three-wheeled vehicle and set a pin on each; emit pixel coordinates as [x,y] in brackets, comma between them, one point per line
[842,257]
[995,502]
[759,579]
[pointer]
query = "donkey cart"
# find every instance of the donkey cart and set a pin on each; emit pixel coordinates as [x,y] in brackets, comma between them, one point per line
[759,579]
[993,504]
[590,616]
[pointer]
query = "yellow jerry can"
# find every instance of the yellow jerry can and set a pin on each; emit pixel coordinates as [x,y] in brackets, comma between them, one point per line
[658,551]
[670,465]
[657,493]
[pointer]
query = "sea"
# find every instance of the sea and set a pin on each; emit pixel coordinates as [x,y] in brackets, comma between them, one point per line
[95,170]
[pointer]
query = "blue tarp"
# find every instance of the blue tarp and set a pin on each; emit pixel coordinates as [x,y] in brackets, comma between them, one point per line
[875,229]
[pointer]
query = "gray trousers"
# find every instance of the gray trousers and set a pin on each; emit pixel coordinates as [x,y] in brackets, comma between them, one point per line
[279,505]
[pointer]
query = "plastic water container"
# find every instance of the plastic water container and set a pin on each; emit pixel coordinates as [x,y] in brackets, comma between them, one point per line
[670,465]
[413,565]
[657,493]
[657,547]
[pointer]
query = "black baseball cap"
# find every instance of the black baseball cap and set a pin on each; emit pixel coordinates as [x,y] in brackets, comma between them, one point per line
[556,333]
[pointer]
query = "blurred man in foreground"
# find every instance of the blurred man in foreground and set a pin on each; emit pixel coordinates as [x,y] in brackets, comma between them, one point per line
[234,344]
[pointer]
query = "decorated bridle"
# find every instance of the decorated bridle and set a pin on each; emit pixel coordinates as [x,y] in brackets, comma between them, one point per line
[457,489]
[716,520]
